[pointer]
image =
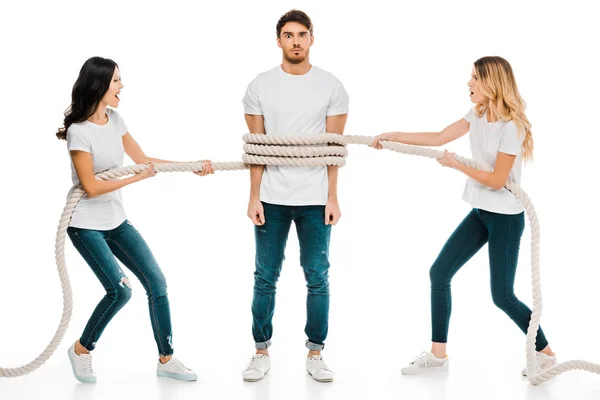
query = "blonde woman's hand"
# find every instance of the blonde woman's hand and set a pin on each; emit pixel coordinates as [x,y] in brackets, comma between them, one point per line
[448,160]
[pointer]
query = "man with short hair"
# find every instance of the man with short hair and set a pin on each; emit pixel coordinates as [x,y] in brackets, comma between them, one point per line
[295,98]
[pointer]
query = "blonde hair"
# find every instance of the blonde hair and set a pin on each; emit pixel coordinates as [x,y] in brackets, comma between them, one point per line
[497,83]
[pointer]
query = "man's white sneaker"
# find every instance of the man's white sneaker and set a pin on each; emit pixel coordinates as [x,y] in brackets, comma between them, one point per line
[426,363]
[542,362]
[82,366]
[175,369]
[318,370]
[259,365]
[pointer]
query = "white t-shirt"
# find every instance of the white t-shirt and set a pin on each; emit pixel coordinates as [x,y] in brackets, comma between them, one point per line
[487,139]
[295,105]
[105,144]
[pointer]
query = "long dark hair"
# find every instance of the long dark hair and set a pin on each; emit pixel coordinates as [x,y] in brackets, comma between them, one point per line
[91,85]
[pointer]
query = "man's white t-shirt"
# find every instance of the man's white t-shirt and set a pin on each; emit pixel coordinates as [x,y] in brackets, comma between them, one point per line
[105,144]
[295,105]
[487,139]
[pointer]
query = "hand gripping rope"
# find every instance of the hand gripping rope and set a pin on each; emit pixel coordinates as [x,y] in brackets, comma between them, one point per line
[310,150]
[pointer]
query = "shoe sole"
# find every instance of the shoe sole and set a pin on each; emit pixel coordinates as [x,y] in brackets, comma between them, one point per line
[425,371]
[255,380]
[80,379]
[191,378]
[320,380]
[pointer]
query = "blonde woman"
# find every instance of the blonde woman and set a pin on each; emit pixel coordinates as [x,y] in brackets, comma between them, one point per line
[500,136]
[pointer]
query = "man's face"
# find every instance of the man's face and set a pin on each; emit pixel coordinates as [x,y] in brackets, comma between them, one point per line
[295,41]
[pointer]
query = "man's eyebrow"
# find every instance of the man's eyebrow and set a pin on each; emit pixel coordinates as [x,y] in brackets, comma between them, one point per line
[290,33]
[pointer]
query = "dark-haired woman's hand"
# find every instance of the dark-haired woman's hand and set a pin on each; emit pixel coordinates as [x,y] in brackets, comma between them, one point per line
[148,172]
[207,168]
[377,139]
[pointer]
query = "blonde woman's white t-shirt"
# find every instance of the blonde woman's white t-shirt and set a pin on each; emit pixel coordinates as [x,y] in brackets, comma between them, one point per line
[487,139]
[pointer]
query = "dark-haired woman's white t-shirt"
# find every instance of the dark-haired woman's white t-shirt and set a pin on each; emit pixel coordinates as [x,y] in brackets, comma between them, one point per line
[487,139]
[105,144]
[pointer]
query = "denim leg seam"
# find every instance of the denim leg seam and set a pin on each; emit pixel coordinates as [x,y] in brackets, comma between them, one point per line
[151,295]
[107,278]
[507,254]
[268,308]
[510,298]
[451,272]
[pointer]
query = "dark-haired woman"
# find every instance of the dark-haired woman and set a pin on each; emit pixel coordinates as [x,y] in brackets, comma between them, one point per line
[97,139]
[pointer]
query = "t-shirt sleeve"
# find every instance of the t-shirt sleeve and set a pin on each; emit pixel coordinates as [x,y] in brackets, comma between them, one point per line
[470,116]
[251,101]
[120,124]
[339,101]
[78,139]
[512,140]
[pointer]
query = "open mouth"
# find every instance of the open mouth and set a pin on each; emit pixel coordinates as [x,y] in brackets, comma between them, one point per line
[117,96]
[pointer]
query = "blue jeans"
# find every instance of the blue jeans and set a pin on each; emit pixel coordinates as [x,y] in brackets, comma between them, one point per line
[271,238]
[502,233]
[98,249]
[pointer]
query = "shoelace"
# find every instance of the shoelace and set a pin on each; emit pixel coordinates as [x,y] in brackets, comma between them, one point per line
[86,365]
[543,362]
[252,363]
[322,365]
[179,365]
[422,358]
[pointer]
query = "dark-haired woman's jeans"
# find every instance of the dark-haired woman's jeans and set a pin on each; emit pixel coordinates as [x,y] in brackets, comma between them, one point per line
[99,249]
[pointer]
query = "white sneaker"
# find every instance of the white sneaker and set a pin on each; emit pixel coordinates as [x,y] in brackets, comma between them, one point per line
[259,365]
[82,366]
[175,369]
[542,362]
[426,363]
[318,370]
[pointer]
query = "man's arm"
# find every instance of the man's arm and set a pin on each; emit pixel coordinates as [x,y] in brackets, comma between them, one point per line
[256,125]
[334,124]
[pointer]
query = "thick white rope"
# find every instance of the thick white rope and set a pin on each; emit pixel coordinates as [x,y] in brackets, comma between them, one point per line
[277,155]
[287,151]
[534,376]
[60,251]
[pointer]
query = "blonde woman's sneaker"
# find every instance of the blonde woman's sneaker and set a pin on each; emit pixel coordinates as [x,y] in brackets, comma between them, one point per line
[426,363]
[318,370]
[542,362]
[175,369]
[82,366]
[258,366]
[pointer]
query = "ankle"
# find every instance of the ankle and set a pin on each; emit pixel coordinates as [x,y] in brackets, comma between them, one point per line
[547,351]
[79,349]
[164,359]
[438,349]
[263,352]
[313,353]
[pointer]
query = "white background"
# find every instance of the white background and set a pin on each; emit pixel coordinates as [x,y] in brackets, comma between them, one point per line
[185,67]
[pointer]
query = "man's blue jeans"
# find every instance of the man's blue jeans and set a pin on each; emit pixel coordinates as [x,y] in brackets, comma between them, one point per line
[271,239]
